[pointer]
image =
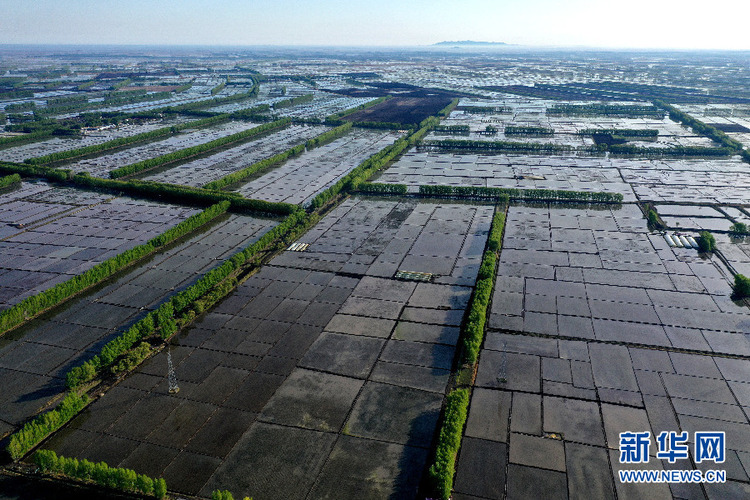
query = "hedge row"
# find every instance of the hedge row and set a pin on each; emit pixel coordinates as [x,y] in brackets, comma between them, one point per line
[700,127]
[473,333]
[101,474]
[9,181]
[32,306]
[741,286]
[449,108]
[329,135]
[52,174]
[20,139]
[628,149]
[486,110]
[453,129]
[451,144]
[293,101]
[218,88]
[253,113]
[605,110]
[624,132]
[373,188]
[382,125]
[519,194]
[125,141]
[150,190]
[216,101]
[246,172]
[182,194]
[520,130]
[35,431]
[185,305]
[449,441]
[195,150]
[457,404]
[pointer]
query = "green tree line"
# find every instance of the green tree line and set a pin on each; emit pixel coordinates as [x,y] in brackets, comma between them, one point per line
[519,194]
[606,110]
[34,305]
[442,469]
[699,127]
[528,130]
[115,478]
[240,175]
[126,141]
[196,150]
[9,181]
[623,132]
[286,103]
[32,433]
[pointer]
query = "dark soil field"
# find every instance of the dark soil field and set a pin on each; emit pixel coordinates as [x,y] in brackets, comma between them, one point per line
[730,127]
[403,109]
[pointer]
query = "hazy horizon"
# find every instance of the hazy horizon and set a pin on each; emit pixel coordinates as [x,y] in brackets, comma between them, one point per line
[665,25]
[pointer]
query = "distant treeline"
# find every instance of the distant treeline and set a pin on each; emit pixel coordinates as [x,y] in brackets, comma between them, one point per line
[623,132]
[196,150]
[606,110]
[528,130]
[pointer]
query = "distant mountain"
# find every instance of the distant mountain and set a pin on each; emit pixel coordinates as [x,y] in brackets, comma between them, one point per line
[472,43]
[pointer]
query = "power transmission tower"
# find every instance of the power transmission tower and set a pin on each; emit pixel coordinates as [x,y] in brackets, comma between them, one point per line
[173,387]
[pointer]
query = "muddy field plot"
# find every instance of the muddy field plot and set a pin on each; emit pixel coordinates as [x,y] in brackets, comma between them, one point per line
[733,119]
[598,327]
[323,105]
[204,170]
[551,428]
[299,179]
[723,181]
[100,166]
[519,112]
[699,218]
[64,232]
[601,275]
[507,171]
[35,359]
[402,109]
[20,153]
[316,377]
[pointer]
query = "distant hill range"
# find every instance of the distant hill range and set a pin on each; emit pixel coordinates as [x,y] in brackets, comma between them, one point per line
[472,43]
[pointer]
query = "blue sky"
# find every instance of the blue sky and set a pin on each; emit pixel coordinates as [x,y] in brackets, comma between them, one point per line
[595,23]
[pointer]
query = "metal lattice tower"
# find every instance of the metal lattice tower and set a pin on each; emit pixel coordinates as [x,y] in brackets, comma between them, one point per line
[173,387]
